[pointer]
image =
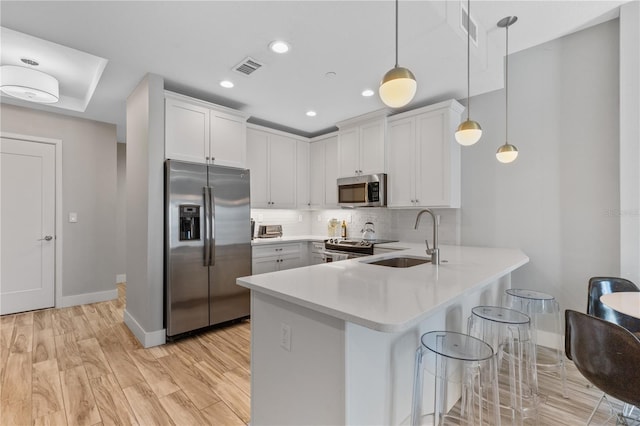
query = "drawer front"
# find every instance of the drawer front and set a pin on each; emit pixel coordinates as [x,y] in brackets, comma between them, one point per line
[276,250]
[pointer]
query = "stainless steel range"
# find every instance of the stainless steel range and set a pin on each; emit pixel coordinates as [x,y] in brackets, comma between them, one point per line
[336,249]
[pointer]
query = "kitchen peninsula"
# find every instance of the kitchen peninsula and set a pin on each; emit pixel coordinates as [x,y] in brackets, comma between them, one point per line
[334,344]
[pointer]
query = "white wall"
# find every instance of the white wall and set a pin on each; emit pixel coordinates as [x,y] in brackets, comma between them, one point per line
[145,211]
[630,141]
[121,214]
[558,200]
[88,188]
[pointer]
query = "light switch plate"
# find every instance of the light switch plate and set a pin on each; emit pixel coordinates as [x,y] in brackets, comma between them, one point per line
[73,217]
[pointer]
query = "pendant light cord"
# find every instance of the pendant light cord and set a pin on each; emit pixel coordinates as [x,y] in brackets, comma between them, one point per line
[506,87]
[468,60]
[396,33]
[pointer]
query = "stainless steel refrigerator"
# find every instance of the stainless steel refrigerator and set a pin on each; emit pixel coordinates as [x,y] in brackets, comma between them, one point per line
[207,245]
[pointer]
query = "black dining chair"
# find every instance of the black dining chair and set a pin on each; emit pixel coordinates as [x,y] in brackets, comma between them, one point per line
[605,285]
[608,356]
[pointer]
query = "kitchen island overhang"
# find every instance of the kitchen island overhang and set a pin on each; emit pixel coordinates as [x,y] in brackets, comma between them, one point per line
[334,343]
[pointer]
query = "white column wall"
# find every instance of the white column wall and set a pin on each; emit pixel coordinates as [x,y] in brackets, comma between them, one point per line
[630,141]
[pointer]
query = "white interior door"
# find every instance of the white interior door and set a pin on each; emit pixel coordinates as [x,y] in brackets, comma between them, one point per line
[27,230]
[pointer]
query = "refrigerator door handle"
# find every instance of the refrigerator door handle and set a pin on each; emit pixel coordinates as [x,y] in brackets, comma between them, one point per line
[212,230]
[207,226]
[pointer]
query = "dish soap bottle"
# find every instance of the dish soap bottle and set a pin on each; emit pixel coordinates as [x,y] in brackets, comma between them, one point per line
[344,229]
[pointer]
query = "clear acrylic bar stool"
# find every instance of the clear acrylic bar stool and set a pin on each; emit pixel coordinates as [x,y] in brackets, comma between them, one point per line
[460,358]
[508,333]
[542,307]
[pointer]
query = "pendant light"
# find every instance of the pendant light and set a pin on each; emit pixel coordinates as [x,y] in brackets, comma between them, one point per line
[398,86]
[469,131]
[507,152]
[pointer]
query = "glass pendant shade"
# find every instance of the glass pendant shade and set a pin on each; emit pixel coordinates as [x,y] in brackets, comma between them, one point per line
[507,153]
[398,87]
[28,84]
[468,133]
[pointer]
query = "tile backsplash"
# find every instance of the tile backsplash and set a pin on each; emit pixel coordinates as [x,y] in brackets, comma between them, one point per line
[389,223]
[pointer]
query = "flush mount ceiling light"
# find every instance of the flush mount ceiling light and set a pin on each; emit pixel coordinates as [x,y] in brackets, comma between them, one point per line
[469,131]
[311,114]
[279,46]
[226,84]
[398,86]
[367,92]
[29,84]
[507,152]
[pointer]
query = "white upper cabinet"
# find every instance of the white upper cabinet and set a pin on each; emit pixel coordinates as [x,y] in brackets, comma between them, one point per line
[424,158]
[303,196]
[203,132]
[323,171]
[272,160]
[316,174]
[361,145]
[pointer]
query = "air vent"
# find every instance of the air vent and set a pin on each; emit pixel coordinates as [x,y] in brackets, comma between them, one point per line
[473,31]
[247,66]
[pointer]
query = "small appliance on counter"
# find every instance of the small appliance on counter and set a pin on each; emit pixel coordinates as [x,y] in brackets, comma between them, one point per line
[269,231]
[368,232]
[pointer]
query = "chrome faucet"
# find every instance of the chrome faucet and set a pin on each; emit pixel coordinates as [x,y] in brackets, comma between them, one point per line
[435,251]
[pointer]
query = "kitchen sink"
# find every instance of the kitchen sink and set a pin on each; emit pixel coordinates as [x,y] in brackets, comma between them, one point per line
[400,261]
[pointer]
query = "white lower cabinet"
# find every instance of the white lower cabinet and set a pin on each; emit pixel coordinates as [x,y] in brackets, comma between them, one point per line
[276,257]
[316,249]
[424,158]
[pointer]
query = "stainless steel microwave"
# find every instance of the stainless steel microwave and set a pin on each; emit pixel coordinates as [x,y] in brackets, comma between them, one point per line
[363,191]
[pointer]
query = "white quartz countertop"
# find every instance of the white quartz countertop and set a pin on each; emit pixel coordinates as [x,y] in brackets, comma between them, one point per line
[384,298]
[287,239]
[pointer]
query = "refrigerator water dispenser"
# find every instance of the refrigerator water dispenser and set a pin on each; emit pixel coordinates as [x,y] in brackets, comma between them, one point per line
[189,222]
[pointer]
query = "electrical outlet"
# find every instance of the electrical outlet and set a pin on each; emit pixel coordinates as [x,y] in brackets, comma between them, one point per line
[285,337]
[299,218]
[319,218]
[348,218]
[260,217]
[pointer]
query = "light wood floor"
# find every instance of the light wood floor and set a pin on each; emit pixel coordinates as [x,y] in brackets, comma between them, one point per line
[82,366]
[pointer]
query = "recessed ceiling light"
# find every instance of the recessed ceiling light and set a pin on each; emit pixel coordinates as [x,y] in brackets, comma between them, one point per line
[279,46]
[226,84]
[311,114]
[368,92]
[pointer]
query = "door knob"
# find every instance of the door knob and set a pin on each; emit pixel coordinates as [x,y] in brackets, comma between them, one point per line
[47,238]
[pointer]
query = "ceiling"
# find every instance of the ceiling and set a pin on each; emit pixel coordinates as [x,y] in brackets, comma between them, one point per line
[195,45]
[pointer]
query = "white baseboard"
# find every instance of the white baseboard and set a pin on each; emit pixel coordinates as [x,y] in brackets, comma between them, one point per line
[86,298]
[121,278]
[147,339]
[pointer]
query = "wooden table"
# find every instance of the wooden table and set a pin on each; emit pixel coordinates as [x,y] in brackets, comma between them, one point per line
[625,302]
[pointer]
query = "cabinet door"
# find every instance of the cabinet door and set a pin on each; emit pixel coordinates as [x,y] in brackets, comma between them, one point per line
[228,141]
[264,265]
[282,172]
[432,180]
[348,153]
[257,156]
[331,172]
[401,159]
[302,175]
[290,262]
[316,174]
[372,147]
[186,131]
